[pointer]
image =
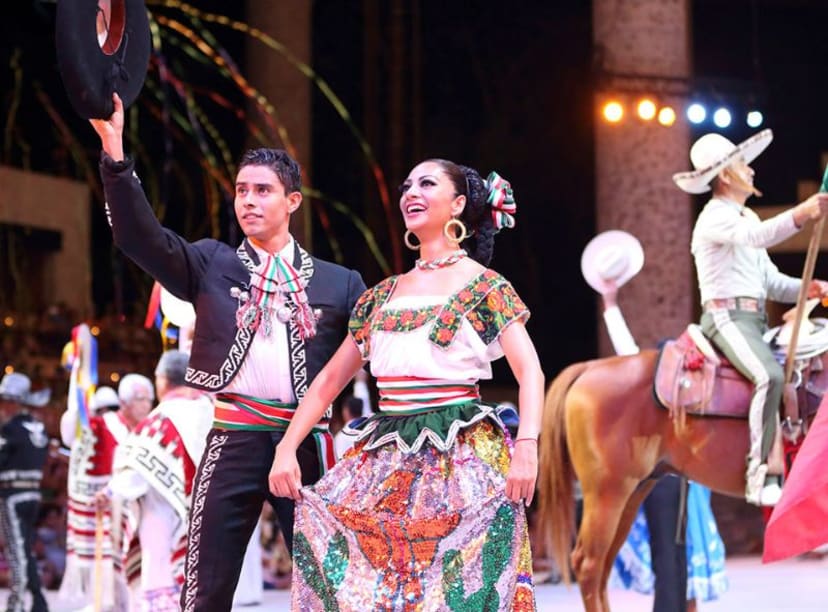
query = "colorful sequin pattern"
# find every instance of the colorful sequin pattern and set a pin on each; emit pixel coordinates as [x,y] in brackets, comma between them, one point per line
[488,302]
[391,531]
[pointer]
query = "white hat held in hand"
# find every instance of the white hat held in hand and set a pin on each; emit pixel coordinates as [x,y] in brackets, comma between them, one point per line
[611,258]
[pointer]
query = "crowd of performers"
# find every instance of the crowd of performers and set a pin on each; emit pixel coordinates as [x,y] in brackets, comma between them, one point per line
[423,504]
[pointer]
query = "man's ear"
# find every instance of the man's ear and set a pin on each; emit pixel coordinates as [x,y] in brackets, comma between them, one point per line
[294,201]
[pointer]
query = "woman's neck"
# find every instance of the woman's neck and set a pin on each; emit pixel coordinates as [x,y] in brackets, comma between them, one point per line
[436,248]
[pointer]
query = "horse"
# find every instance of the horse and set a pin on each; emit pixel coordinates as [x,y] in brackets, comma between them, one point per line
[602,425]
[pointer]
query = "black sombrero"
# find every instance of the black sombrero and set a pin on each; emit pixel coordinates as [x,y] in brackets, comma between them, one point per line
[96,61]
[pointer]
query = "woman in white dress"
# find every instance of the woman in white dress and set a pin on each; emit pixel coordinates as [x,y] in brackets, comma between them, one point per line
[427,511]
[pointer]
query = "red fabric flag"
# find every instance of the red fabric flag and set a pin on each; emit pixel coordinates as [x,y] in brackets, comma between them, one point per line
[799,522]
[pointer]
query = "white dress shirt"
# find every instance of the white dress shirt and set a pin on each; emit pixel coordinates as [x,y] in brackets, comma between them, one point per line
[265,371]
[730,249]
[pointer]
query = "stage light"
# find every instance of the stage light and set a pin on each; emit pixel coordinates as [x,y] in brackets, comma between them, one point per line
[613,111]
[8,321]
[754,119]
[94,330]
[646,109]
[722,117]
[114,377]
[667,116]
[696,113]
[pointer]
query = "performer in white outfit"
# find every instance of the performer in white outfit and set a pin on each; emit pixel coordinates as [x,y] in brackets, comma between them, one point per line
[153,475]
[93,447]
[736,276]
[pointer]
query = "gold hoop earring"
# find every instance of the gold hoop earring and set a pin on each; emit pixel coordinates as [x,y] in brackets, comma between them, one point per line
[455,238]
[407,240]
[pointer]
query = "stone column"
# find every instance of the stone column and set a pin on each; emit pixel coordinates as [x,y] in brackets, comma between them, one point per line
[288,22]
[643,47]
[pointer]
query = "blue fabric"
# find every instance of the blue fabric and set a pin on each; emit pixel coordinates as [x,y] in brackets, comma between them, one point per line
[633,567]
[706,578]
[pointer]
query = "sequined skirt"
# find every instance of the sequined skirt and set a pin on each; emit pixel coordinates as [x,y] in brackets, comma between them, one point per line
[429,530]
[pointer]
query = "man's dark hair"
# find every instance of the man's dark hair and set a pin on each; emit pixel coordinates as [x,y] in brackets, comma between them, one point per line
[278,160]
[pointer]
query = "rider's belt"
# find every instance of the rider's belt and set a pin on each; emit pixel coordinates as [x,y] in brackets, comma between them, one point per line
[735,303]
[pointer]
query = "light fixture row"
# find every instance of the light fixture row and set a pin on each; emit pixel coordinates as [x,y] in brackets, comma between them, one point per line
[614,111]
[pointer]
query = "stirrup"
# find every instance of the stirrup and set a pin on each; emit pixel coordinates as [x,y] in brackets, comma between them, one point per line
[792,429]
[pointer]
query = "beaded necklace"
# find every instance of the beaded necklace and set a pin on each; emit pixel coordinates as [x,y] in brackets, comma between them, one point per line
[441,262]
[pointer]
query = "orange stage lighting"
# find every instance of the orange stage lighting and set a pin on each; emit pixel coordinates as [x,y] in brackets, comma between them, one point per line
[646,109]
[613,111]
[667,116]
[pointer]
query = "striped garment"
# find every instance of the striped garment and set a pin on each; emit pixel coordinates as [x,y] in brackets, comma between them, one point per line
[236,411]
[412,395]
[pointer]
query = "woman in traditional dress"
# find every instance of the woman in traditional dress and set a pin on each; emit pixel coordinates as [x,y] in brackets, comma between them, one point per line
[427,511]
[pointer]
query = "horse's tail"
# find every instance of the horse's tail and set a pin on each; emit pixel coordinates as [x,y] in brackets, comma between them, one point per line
[555,474]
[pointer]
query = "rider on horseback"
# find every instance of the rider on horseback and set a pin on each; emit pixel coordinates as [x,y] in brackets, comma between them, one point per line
[736,276]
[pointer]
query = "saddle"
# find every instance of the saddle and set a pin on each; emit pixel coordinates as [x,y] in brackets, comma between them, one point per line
[692,377]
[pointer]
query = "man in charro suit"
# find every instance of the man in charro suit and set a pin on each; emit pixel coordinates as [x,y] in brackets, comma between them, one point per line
[268,318]
[23,450]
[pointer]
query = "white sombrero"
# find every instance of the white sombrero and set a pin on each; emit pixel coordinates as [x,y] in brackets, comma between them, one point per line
[16,387]
[712,153]
[813,333]
[614,256]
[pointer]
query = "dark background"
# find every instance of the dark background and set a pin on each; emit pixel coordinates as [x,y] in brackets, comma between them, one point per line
[497,88]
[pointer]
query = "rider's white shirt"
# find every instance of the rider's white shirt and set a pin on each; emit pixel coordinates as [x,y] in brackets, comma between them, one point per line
[730,248]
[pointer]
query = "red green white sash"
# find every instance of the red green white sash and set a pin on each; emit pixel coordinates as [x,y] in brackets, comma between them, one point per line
[235,411]
[412,395]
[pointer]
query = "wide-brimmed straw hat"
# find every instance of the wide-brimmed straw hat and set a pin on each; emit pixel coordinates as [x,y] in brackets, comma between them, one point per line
[94,66]
[17,387]
[712,153]
[612,257]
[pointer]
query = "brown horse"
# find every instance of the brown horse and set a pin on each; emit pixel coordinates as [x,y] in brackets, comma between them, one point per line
[601,425]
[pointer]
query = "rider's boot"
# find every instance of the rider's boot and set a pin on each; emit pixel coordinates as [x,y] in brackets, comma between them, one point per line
[761,489]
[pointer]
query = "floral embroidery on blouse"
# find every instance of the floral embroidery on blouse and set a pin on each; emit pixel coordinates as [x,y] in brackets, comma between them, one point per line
[501,307]
[359,325]
[403,320]
[488,302]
